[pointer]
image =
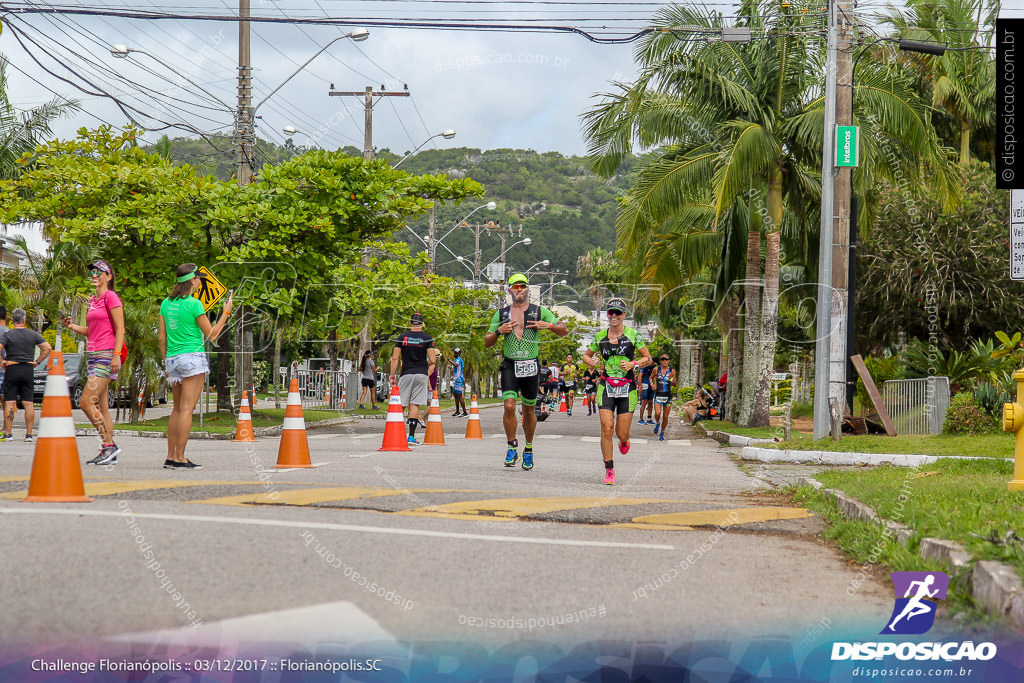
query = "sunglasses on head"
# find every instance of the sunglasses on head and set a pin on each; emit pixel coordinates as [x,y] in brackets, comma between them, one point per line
[614,312]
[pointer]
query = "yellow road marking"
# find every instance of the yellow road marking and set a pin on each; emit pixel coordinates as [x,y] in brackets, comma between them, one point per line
[312,496]
[722,517]
[4,480]
[518,507]
[110,488]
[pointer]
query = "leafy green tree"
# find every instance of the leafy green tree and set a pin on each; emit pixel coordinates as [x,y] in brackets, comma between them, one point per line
[735,121]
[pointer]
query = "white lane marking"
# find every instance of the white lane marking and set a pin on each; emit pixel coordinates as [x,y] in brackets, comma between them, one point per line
[177,519]
[591,439]
[303,625]
[495,436]
[323,436]
[366,436]
[679,442]
[360,455]
[547,436]
[632,441]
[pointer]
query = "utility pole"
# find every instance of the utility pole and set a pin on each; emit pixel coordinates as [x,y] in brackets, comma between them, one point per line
[368,95]
[842,189]
[824,331]
[431,247]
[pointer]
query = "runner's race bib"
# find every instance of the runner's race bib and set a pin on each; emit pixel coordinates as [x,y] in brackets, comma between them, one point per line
[616,392]
[526,368]
[661,399]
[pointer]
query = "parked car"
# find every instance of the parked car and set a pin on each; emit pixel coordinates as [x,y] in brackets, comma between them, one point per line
[159,395]
[73,370]
[383,389]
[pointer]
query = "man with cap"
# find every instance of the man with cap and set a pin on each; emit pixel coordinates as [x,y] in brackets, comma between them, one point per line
[459,384]
[415,350]
[520,323]
[617,351]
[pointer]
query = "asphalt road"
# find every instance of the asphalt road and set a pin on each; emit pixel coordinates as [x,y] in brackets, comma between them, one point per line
[442,542]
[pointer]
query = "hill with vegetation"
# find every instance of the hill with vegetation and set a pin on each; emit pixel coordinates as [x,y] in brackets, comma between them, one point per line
[553,199]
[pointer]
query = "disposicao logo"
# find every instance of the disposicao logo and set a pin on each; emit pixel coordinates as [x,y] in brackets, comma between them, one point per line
[917,596]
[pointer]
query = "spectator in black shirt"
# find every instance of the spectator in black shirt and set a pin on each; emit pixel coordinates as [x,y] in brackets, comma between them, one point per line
[19,347]
[415,350]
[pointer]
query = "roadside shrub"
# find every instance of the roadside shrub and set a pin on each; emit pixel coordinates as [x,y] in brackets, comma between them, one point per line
[965,416]
[261,374]
[685,394]
[991,399]
[802,410]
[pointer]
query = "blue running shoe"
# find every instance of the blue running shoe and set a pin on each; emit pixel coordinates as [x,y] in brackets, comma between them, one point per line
[512,457]
[661,437]
[656,427]
[413,442]
[641,422]
[528,459]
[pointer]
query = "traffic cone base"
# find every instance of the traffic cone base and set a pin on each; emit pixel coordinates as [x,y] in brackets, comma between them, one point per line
[394,427]
[56,471]
[244,430]
[435,432]
[294,448]
[473,424]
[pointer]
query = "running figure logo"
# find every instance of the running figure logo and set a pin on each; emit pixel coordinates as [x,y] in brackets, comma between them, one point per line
[917,596]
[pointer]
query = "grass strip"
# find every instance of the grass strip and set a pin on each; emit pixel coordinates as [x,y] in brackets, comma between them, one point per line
[876,553]
[958,500]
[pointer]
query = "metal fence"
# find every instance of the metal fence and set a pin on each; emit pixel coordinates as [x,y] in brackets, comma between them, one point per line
[917,406]
[328,390]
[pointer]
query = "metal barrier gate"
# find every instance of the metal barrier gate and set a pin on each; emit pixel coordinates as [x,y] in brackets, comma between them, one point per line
[917,406]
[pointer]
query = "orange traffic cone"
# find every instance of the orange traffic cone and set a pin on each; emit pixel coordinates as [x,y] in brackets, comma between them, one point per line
[394,427]
[585,403]
[435,432]
[473,425]
[563,408]
[327,395]
[344,397]
[244,431]
[294,448]
[56,471]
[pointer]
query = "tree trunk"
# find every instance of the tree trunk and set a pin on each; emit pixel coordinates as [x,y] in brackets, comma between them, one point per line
[965,143]
[278,340]
[769,320]
[329,380]
[751,318]
[734,364]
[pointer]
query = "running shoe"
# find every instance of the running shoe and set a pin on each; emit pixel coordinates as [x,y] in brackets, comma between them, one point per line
[187,465]
[568,412]
[6,437]
[657,426]
[512,457]
[412,441]
[168,464]
[623,447]
[109,456]
[361,407]
[661,437]
[641,421]
[103,450]
[528,459]
[609,477]
[29,439]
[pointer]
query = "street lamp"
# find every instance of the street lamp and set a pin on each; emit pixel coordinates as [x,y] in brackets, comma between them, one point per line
[548,291]
[446,134]
[292,131]
[431,244]
[120,51]
[545,262]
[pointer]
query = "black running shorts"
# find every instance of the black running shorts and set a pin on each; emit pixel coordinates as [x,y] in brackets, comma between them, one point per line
[525,388]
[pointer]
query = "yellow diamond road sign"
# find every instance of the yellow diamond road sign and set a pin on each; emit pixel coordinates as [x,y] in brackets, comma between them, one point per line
[212,289]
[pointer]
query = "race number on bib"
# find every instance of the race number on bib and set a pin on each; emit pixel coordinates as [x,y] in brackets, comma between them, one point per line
[526,368]
[661,399]
[616,392]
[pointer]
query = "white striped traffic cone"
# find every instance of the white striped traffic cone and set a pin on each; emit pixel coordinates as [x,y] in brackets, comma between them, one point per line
[294,448]
[56,471]
[244,431]
[473,424]
[394,428]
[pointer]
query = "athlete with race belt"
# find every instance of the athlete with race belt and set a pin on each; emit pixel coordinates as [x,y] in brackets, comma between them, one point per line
[569,375]
[663,382]
[520,323]
[618,347]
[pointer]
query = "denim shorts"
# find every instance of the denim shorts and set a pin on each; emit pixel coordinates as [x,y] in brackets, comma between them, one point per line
[186,365]
[98,365]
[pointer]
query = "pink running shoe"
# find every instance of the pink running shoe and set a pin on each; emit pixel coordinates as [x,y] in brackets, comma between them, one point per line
[609,477]
[624,447]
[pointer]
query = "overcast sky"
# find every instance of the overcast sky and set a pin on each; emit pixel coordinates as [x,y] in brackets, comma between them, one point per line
[496,89]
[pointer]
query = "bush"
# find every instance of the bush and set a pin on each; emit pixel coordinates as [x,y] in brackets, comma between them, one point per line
[991,399]
[965,416]
[802,410]
[261,375]
[685,394]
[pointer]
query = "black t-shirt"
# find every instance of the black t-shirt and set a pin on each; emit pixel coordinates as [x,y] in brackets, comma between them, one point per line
[20,344]
[414,347]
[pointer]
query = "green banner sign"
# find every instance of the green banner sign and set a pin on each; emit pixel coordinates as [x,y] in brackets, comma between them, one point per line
[847,146]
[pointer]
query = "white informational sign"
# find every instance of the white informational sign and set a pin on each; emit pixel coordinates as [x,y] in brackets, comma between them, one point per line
[1017,234]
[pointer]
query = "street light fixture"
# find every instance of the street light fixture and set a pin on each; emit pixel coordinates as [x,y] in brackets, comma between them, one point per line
[292,131]
[545,262]
[446,134]
[357,35]
[120,51]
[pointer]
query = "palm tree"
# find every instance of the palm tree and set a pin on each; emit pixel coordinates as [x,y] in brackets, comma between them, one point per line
[963,80]
[20,132]
[597,269]
[734,123]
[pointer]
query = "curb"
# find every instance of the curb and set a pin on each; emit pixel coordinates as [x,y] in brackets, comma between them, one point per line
[727,438]
[994,585]
[844,458]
